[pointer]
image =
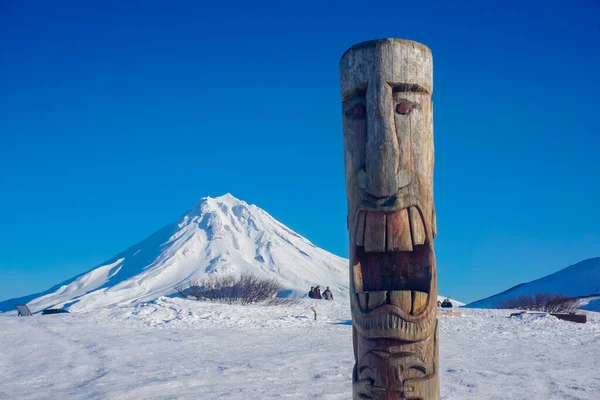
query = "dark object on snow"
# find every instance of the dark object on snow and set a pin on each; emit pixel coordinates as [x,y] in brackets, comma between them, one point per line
[23,310]
[54,311]
[312,292]
[572,317]
[446,304]
[327,295]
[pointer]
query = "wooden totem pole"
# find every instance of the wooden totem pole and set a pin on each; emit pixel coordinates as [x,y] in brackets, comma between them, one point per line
[388,153]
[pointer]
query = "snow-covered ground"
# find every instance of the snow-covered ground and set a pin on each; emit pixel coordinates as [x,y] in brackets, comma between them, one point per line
[179,349]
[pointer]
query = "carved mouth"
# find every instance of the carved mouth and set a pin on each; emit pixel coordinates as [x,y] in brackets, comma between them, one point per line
[393,267]
[396,231]
[395,281]
[411,302]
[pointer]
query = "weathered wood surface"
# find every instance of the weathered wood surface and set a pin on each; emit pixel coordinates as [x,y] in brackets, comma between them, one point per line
[375,232]
[387,119]
[416,226]
[398,232]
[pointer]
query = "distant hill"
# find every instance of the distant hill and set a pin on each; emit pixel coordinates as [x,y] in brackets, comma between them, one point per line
[579,280]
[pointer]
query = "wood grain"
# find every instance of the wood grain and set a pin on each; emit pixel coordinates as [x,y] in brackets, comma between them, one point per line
[416,227]
[398,232]
[419,302]
[360,229]
[374,232]
[401,299]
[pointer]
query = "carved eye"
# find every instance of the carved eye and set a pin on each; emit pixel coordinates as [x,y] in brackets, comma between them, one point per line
[404,107]
[358,111]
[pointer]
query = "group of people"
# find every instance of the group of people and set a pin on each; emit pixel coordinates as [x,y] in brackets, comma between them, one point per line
[315,293]
[445,304]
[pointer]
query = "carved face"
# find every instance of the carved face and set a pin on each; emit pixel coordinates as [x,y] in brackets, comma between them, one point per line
[388,141]
[409,372]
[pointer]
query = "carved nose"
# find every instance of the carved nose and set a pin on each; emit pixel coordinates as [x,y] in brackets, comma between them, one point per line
[381,176]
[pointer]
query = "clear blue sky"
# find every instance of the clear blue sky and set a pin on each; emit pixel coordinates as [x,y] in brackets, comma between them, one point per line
[117,116]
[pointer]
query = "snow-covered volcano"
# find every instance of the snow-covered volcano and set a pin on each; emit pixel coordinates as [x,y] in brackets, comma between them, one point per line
[218,235]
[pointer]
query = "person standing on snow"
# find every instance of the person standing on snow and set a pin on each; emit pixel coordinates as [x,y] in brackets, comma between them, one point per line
[312,294]
[327,295]
[318,292]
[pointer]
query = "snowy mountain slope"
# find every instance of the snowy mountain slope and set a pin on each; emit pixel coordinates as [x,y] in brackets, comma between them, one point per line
[581,279]
[589,303]
[217,236]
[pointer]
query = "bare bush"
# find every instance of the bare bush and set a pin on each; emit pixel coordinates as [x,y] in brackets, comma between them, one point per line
[219,288]
[190,289]
[551,303]
[243,289]
[561,304]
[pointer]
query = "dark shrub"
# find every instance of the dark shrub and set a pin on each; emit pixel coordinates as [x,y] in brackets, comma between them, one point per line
[243,289]
[551,303]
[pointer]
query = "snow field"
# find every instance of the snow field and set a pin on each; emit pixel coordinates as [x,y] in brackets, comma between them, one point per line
[179,349]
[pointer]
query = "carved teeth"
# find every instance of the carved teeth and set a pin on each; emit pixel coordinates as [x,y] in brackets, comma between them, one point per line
[401,299]
[362,300]
[400,231]
[376,299]
[410,301]
[371,300]
[375,232]
[416,227]
[420,300]
[360,229]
